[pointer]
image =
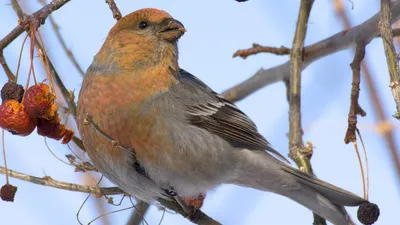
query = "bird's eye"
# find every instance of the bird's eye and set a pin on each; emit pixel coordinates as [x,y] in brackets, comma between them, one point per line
[143,25]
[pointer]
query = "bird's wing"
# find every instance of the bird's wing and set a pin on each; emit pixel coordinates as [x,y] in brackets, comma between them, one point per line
[210,111]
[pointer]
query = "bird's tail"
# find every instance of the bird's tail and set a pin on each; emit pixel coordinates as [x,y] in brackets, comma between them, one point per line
[266,173]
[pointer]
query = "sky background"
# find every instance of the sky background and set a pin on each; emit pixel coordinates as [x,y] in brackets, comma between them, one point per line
[216,29]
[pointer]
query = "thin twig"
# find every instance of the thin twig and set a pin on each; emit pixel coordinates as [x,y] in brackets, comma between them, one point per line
[355,108]
[379,108]
[114,9]
[340,41]
[89,121]
[390,52]
[109,213]
[296,132]
[256,48]
[38,18]
[57,32]
[100,204]
[50,182]
[300,154]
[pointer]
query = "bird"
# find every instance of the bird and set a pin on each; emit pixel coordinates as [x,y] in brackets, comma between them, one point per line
[155,130]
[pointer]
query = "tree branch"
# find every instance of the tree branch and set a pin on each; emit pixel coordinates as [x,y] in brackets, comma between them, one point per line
[69,53]
[390,52]
[114,9]
[50,182]
[379,108]
[244,53]
[345,39]
[300,154]
[38,17]
[355,108]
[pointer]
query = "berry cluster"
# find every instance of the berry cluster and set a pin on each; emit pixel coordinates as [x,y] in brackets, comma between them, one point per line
[21,112]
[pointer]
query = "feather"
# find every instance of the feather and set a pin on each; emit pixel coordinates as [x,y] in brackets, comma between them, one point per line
[214,113]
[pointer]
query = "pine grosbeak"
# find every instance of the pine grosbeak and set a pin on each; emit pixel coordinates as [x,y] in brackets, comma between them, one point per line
[185,137]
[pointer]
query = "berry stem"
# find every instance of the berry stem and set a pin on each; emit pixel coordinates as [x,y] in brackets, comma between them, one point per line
[45,60]
[19,59]
[31,53]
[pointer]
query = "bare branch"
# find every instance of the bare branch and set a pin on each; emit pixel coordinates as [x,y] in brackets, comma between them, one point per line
[345,39]
[114,9]
[355,108]
[244,53]
[300,154]
[296,132]
[379,108]
[50,182]
[38,18]
[390,52]
[69,53]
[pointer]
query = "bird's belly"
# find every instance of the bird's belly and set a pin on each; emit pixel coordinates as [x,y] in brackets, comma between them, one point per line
[195,162]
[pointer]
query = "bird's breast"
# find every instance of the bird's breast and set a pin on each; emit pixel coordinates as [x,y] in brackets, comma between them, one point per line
[118,107]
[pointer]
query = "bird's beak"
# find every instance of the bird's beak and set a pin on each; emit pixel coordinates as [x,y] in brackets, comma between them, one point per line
[171,29]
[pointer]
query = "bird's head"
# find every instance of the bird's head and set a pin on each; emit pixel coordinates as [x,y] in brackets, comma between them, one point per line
[149,23]
[142,38]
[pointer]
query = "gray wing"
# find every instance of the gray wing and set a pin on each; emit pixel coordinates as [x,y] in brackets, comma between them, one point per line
[210,111]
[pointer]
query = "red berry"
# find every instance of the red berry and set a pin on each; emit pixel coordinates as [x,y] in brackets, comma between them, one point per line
[39,102]
[15,119]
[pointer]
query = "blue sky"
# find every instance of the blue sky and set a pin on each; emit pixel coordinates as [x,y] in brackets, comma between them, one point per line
[216,29]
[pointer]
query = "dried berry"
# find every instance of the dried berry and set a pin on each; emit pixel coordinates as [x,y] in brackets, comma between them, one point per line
[368,213]
[67,136]
[7,192]
[51,128]
[39,102]
[12,91]
[15,119]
